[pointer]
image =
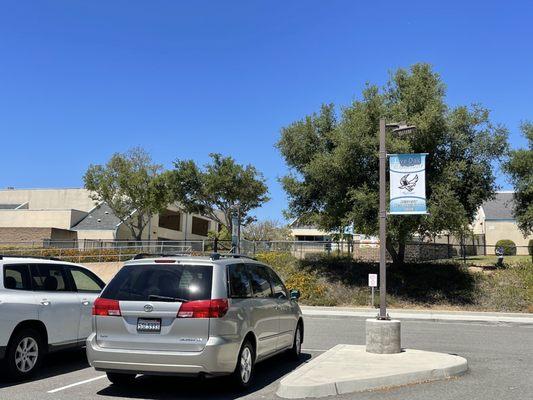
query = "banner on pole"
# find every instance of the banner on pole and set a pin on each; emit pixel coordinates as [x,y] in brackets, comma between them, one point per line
[408,183]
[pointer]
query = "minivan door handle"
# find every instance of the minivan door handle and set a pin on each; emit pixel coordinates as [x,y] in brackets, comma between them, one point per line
[45,302]
[85,302]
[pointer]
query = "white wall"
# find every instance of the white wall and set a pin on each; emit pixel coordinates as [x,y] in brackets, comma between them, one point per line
[50,199]
[63,219]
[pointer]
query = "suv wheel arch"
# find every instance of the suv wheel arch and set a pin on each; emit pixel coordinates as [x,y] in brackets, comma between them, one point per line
[35,325]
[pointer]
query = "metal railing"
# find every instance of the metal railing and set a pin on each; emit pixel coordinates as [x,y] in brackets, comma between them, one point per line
[109,250]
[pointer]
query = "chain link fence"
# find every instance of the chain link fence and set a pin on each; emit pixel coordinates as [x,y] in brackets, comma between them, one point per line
[109,250]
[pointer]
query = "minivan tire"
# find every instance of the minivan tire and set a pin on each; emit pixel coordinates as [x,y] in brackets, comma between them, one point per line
[296,349]
[119,379]
[26,346]
[243,374]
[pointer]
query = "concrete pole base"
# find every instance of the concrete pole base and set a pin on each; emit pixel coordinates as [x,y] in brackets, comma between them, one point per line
[383,336]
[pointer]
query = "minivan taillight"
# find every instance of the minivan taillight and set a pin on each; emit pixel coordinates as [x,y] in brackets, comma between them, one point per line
[106,308]
[215,308]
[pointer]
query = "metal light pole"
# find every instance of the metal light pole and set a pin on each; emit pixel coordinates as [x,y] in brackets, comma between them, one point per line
[236,229]
[383,334]
[382,221]
[398,129]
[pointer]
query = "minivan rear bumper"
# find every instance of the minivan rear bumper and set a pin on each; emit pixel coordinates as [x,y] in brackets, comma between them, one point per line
[218,357]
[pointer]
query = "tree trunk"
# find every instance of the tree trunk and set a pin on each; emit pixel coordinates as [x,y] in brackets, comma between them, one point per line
[392,251]
[398,257]
[401,252]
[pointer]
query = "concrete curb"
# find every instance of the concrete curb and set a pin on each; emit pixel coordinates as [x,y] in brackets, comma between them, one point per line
[434,316]
[345,369]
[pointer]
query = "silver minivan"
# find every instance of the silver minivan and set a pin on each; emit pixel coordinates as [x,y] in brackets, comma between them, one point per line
[199,316]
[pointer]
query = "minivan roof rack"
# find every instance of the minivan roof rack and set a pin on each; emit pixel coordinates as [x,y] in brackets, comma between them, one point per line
[141,256]
[218,256]
[2,256]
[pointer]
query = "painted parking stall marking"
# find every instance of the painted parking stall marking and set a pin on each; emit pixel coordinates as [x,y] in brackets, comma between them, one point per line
[76,384]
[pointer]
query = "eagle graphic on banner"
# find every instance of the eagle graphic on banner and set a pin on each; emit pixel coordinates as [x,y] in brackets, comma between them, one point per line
[407,184]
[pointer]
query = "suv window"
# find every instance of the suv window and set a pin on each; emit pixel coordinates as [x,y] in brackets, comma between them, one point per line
[260,280]
[280,291]
[85,281]
[49,277]
[161,283]
[17,277]
[239,281]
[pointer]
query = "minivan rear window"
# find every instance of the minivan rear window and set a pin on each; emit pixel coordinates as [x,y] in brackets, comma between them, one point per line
[161,283]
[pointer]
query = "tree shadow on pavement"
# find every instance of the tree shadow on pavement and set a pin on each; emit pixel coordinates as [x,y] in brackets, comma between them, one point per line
[168,387]
[55,364]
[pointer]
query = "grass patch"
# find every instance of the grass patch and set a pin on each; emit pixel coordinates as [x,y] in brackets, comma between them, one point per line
[486,261]
[342,281]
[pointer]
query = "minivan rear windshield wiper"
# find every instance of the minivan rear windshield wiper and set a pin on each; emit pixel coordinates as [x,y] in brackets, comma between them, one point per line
[166,298]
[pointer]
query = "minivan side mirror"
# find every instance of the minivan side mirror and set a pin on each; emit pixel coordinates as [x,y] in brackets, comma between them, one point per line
[295,294]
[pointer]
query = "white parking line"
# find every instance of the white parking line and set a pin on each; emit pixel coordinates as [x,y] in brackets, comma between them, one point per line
[103,376]
[76,384]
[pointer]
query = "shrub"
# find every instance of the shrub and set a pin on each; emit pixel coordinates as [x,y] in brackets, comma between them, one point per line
[509,247]
[283,263]
[312,291]
[509,289]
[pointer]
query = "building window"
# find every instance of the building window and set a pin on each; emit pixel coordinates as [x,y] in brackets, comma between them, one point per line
[170,220]
[200,226]
[312,238]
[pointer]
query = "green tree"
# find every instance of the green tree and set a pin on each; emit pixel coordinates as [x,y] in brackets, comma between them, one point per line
[333,159]
[266,230]
[223,185]
[520,169]
[132,186]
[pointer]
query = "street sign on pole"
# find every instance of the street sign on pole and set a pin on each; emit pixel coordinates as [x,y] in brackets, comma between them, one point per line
[373,280]
[373,283]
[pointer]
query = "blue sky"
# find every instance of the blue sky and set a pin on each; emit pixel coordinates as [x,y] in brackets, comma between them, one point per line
[80,80]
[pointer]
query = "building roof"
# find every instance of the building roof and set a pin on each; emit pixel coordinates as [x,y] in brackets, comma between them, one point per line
[99,218]
[501,207]
[9,206]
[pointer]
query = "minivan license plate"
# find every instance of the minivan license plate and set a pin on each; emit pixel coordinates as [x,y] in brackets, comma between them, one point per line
[152,325]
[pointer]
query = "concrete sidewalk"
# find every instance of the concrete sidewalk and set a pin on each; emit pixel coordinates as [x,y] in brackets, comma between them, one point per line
[348,368]
[431,315]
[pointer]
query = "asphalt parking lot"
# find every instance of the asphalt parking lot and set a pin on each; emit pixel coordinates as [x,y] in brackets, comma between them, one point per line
[500,358]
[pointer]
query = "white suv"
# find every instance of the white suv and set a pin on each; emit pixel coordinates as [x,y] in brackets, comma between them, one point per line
[45,305]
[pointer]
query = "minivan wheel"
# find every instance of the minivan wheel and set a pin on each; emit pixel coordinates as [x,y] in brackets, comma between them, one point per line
[245,366]
[24,354]
[120,379]
[296,349]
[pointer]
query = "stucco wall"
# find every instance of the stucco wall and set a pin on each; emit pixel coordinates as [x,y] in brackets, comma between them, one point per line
[185,232]
[49,198]
[63,219]
[498,230]
[105,270]
[95,235]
